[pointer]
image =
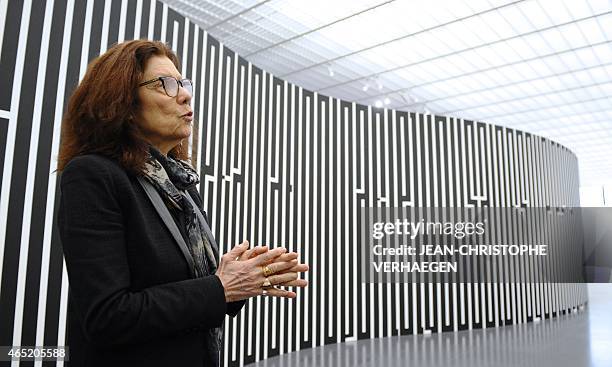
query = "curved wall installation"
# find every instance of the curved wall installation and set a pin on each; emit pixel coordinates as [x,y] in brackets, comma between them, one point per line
[279,165]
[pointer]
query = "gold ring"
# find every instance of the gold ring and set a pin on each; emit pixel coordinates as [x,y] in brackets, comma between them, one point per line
[266,283]
[267,271]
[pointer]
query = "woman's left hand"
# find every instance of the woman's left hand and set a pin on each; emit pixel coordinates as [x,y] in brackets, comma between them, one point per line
[280,263]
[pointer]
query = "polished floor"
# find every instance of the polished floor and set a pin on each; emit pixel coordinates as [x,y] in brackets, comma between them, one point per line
[575,340]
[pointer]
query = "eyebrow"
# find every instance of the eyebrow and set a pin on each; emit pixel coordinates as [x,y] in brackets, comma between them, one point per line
[180,77]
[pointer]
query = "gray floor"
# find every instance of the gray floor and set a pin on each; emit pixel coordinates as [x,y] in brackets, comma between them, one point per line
[576,340]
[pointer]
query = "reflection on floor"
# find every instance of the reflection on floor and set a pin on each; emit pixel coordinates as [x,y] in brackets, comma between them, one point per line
[575,340]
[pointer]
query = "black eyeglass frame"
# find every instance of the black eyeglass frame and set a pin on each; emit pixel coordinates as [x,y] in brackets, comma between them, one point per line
[179,82]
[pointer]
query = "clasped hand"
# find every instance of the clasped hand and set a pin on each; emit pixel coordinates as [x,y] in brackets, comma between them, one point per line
[246,272]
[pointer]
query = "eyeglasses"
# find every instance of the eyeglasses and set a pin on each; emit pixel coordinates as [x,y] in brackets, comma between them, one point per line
[171,85]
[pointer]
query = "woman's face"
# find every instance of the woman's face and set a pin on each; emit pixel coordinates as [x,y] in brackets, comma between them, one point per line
[164,120]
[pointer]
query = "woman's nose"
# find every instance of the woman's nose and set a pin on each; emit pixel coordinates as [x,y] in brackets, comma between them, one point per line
[183,96]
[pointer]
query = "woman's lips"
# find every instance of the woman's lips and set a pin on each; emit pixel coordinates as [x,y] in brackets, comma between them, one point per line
[188,116]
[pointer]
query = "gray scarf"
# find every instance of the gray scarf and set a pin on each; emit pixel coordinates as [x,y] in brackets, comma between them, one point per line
[172,178]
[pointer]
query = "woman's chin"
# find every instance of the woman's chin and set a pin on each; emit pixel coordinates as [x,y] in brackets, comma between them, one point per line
[186,131]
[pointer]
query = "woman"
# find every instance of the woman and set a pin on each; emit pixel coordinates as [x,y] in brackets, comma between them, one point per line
[146,287]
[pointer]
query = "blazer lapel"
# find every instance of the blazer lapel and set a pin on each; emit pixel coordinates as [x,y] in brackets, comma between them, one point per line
[166,217]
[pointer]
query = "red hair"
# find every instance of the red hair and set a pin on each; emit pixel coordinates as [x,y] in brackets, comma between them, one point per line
[100,113]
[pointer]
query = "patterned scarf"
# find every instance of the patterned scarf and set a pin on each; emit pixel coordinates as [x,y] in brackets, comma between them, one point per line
[172,178]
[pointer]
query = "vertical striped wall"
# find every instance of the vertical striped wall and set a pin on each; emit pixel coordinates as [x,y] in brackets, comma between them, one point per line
[279,165]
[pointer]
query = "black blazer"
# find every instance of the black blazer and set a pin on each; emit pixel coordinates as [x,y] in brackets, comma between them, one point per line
[133,300]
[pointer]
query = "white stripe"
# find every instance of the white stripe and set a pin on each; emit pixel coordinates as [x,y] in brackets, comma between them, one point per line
[372,196]
[315,209]
[12,127]
[105,25]
[122,20]
[321,302]
[151,29]
[303,206]
[280,124]
[29,189]
[292,223]
[138,19]
[331,180]
[224,244]
[217,131]
[236,221]
[361,188]
[5,114]
[394,204]
[164,24]
[197,111]
[3,10]
[383,143]
[211,84]
[86,37]
[61,332]
[343,294]
[254,204]
[175,27]
[185,45]
[348,197]
[58,113]
[200,111]
[300,207]
[286,336]
[266,178]
[248,197]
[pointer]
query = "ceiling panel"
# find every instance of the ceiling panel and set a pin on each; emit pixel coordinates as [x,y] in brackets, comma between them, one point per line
[543,66]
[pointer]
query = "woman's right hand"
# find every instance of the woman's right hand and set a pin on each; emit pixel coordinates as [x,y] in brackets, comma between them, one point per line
[243,279]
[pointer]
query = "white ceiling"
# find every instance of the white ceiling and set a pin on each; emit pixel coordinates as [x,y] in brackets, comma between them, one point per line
[543,66]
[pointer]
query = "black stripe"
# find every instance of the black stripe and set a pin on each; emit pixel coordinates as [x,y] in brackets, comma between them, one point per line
[9,52]
[95,35]
[113,23]
[190,50]
[158,20]
[130,20]
[144,19]
[3,144]
[54,284]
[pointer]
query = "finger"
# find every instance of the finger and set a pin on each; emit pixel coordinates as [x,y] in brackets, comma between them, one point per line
[275,292]
[299,268]
[268,256]
[296,268]
[251,253]
[239,249]
[287,257]
[280,267]
[295,283]
[282,278]
[258,251]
